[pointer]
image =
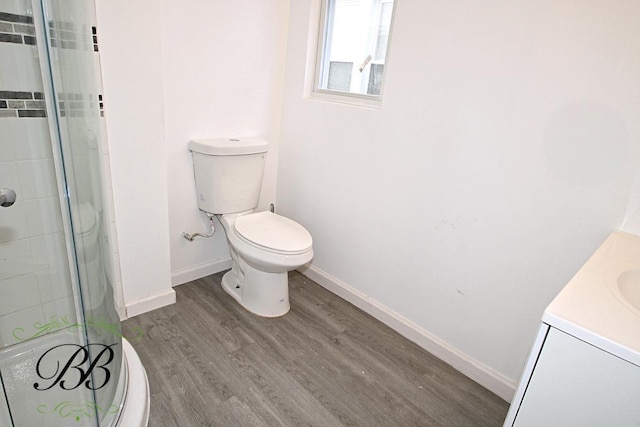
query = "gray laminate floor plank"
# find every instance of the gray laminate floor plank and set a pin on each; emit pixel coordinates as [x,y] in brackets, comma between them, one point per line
[291,400]
[325,363]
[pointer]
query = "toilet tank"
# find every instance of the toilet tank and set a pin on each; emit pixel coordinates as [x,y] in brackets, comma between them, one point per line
[228,173]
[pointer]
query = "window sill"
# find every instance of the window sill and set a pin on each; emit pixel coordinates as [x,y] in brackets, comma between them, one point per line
[356,100]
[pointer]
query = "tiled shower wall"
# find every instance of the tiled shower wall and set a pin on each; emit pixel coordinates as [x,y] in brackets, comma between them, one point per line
[34,278]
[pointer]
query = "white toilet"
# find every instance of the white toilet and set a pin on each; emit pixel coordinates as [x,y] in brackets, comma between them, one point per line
[264,246]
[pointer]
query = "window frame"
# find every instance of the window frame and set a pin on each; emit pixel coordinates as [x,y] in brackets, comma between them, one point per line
[322,61]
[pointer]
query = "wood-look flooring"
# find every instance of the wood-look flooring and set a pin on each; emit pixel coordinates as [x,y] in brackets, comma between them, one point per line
[325,363]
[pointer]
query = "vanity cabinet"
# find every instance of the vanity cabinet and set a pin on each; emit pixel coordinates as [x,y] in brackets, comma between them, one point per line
[584,368]
[573,383]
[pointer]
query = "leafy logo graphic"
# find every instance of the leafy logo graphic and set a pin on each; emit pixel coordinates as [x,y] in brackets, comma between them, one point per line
[85,409]
[58,323]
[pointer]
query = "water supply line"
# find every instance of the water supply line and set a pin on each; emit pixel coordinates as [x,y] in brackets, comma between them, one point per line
[190,237]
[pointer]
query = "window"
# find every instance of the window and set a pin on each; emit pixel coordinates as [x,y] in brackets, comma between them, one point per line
[353,46]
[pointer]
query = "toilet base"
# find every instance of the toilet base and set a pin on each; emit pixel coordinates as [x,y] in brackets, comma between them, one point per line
[261,293]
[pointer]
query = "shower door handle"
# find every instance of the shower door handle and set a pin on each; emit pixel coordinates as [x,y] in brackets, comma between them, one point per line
[7,197]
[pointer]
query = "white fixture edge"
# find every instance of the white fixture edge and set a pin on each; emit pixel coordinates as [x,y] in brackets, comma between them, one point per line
[477,371]
[526,374]
[150,303]
[202,270]
[135,412]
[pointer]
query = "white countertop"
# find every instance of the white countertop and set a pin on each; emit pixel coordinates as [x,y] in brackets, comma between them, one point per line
[590,306]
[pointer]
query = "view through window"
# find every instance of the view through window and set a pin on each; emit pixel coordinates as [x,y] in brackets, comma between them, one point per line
[354,45]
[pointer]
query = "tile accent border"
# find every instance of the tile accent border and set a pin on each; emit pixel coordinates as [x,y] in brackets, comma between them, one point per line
[20,29]
[80,105]
[67,35]
[22,104]
[94,34]
[17,29]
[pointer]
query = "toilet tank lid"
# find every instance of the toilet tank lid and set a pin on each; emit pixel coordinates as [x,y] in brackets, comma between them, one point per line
[229,146]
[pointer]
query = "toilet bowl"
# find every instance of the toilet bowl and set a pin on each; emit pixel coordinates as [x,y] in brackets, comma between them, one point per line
[264,247]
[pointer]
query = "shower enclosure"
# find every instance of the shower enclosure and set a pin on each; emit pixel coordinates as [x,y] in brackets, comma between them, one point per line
[63,360]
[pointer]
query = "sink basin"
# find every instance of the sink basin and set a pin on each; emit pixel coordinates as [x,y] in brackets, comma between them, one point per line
[601,303]
[629,287]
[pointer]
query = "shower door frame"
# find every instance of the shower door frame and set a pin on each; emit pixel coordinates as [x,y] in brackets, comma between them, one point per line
[64,194]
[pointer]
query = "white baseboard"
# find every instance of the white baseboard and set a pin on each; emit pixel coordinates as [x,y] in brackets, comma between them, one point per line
[153,302]
[480,373]
[150,303]
[192,273]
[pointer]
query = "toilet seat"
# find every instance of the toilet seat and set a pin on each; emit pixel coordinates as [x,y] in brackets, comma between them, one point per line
[273,233]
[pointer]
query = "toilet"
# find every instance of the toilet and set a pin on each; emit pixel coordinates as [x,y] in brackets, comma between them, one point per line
[263,246]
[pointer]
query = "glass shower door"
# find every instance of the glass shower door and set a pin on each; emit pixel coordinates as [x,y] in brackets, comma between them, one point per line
[60,342]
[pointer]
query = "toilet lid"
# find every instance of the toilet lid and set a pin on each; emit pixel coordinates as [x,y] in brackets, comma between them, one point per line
[273,233]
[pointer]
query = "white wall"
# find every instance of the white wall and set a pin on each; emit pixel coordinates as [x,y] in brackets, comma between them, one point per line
[131,57]
[631,223]
[174,71]
[223,68]
[503,154]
